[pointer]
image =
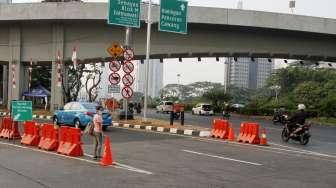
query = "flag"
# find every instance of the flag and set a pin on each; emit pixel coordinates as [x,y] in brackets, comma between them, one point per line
[13,78]
[74,57]
[30,73]
[59,78]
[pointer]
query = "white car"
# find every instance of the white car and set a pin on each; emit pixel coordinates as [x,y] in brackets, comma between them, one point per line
[165,107]
[203,109]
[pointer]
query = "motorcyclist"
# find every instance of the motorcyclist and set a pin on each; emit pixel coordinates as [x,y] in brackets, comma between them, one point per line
[297,120]
[226,110]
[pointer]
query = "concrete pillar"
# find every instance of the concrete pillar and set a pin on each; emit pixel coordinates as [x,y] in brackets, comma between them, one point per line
[58,45]
[14,58]
[5,83]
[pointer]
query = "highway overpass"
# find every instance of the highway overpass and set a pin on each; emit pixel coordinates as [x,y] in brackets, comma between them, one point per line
[37,30]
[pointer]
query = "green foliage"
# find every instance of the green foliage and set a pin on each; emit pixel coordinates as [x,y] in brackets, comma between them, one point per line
[217,97]
[316,88]
[328,106]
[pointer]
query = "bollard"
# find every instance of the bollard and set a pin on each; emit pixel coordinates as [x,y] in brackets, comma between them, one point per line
[182,118]
[182,114]
[171,117]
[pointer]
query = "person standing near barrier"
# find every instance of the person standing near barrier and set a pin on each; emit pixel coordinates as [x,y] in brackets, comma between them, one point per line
[97,132]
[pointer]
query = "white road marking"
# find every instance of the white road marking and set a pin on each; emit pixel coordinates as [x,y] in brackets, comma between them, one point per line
[265,148]
[125,167]
[48,152]
[224,158]
[117,165]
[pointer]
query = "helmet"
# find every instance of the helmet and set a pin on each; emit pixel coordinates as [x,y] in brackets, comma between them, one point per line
[301,107]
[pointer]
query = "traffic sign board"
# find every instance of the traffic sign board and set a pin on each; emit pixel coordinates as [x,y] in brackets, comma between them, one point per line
[127,80]
[128,54]
[114,78]
[113,89]
[115,50]
[128,67]
[173,16]
[127,92]
[115,66]
[22,110]
[124,13]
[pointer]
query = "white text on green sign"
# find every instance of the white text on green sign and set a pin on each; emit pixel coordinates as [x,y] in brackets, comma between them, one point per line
[124,13]
[173,16]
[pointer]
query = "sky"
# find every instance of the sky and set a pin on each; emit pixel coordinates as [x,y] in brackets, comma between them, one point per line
[209,70]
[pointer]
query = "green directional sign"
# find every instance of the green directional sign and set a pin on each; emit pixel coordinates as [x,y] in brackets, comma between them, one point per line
[124,13]
[173,16]
[22,110]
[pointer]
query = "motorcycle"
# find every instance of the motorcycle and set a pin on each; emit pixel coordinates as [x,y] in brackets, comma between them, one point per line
[279,117]
[301,136]
[226,115]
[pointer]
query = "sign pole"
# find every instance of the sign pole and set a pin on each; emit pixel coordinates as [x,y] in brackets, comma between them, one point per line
[149,23]
[127,43]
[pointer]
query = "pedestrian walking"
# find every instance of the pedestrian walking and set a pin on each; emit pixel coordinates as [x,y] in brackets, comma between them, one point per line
[97,132]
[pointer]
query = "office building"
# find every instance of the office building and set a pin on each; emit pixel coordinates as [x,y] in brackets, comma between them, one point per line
[155,77]
[247,72]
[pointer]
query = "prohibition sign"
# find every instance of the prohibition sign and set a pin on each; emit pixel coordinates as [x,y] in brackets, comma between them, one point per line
[127,79]
[114,78]
[128,54]
[128,67]
[127,92]
[115,66]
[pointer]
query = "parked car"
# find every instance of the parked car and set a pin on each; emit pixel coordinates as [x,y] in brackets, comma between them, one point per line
[203,109]
[80,114]
[165,107]
[237,106]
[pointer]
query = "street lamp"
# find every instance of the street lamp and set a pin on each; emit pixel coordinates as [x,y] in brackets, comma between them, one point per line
[178,78]
[276,88]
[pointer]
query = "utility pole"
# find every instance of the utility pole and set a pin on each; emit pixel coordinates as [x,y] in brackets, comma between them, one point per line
[149,23]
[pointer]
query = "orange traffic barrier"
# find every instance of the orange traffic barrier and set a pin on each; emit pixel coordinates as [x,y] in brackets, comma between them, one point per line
[31,135]
[1,123]
[49,138]
[220,128]
[231,135]
[10,129]
[70,141]
[107,155]
[249,133]
[263,140]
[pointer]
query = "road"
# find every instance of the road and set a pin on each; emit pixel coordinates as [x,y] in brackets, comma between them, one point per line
[154,160]
[323,137]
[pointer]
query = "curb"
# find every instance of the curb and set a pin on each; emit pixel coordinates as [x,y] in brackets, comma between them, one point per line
[35,116]
[186,132]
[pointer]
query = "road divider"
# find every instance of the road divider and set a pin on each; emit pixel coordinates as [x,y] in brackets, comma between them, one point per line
[70,141]
[31,135]
[10,129]
[49,137]
[249,132]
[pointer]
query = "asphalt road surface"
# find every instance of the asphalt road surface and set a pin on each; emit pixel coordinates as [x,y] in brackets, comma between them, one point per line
[323,137]
[154,160]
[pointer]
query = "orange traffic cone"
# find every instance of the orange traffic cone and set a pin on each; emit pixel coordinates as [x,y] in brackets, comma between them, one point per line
[231,136]
[107,156]
[263,140]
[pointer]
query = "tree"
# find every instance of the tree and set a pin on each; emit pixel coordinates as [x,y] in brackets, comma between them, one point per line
[71,81]
[41,75]
[92,80]
[217,97]
[308,93]
[328,107]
